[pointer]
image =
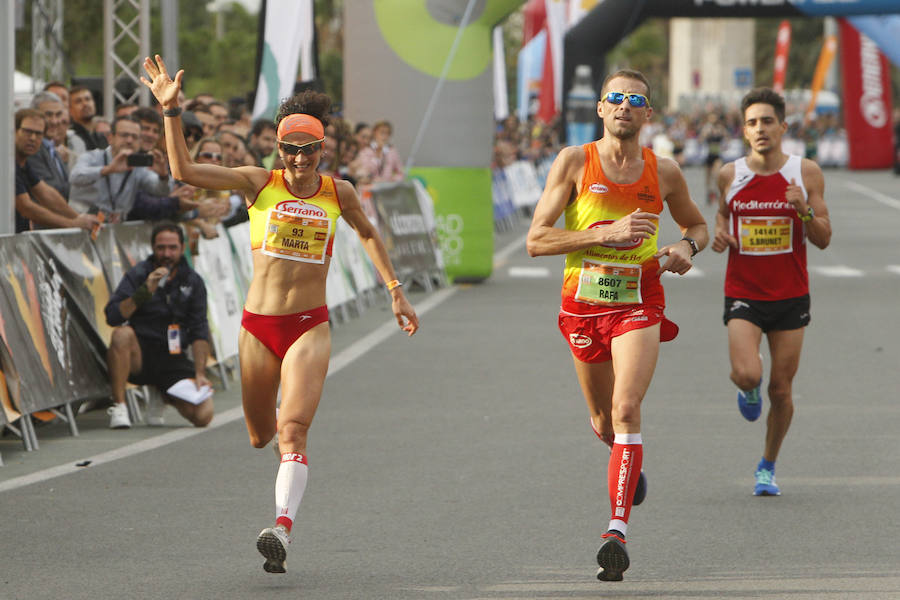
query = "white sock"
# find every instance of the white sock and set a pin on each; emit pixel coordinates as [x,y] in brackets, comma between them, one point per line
[290,483]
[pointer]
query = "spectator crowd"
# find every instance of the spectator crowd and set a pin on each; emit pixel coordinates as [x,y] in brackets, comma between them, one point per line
[75,168]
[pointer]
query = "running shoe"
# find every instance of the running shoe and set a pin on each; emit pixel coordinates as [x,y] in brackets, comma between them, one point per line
[640,492]
[118,416]
[765,483]
[272,543]
[612,557]
[750,402]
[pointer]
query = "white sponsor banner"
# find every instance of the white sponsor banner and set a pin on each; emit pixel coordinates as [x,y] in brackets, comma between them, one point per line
[213,262]
[287,44]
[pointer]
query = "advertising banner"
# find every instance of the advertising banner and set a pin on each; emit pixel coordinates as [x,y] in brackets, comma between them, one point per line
[406,236]
[464,219]
[224,307]
[52,346]
[867,101]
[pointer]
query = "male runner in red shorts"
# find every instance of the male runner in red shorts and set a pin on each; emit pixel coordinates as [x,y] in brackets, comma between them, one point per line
[612,192]
[770,203]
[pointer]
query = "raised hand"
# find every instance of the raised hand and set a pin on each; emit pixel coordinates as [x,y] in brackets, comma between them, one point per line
[163,87]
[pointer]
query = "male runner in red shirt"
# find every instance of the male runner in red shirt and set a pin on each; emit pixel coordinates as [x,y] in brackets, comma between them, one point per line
[770,204]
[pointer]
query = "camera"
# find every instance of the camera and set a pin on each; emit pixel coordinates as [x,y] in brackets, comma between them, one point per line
[139,159]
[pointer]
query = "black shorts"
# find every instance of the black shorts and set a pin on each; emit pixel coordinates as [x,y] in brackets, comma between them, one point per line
[711,159]
[775,315]
[160,368]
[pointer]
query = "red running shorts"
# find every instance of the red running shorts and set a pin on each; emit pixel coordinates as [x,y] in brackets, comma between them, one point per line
[590,337]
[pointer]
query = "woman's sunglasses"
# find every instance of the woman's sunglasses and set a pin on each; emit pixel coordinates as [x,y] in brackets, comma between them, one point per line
[304,149]
[210,155]
[635,100]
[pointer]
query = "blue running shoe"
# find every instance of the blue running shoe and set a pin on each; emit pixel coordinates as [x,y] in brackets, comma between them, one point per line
[750,402]
[640,492]
[765,483]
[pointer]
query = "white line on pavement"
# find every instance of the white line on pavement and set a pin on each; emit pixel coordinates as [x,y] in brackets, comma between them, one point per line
[873,194]
[337,363]
[694,273]
[837,271]
[529,272]
[895,269]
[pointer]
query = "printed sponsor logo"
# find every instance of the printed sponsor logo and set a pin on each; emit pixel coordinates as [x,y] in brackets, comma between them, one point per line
[580,341]
[623,476]
[300,208]
[731,3]
[646,195]
[757,205]
[305,317]
[407,224]
[598,188]
[738,304]
[871,104]
[617,245]
[293,457]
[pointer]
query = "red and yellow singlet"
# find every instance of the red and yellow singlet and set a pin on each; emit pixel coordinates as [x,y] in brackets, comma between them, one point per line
[293,227]
[612,277]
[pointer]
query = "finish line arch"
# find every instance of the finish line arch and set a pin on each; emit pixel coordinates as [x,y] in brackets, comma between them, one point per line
[588,42]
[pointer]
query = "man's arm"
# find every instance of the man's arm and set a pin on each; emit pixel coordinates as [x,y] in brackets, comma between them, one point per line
[201,355]
[41,215]
[723,238]
[545,239]
[818,229]
[686,214]
[50,198]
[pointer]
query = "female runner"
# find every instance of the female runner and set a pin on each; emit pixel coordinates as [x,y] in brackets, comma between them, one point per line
[284,337]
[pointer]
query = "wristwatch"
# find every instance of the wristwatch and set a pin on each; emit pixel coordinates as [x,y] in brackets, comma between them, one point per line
[694,248]
[808,216]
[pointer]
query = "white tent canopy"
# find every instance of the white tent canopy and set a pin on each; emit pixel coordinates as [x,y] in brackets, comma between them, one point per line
[24,87]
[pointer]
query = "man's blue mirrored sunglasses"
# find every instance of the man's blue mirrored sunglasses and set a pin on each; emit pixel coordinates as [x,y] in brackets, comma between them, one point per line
[635,100]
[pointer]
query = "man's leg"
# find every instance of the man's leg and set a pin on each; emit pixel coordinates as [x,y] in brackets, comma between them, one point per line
[634,356]
[198,414]
[743,347]
[785,347]
[122,359]
[746,365]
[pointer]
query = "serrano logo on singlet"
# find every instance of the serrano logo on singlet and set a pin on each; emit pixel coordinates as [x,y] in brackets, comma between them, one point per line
[580,341]
[598,188]
[617,245]
[300,208]
[757,205]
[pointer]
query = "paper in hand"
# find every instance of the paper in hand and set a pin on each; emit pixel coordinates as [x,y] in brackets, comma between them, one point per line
[186,389]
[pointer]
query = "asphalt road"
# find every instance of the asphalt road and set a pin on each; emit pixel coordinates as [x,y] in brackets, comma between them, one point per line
[460,464]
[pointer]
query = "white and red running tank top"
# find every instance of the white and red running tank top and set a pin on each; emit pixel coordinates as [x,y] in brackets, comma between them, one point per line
[770,260]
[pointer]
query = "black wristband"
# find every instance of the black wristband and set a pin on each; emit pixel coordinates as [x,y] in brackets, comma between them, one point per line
[172,112]
[142,295]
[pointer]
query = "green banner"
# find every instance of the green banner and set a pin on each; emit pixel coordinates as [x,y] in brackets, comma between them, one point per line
[464,219]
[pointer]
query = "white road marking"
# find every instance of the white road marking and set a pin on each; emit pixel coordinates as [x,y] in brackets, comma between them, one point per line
[837,271]
[895,269]
[338,362]
[694,273]
[873,194]
[529,272]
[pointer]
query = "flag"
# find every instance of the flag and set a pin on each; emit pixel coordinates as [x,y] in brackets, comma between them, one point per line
[288,41]
[782,50]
